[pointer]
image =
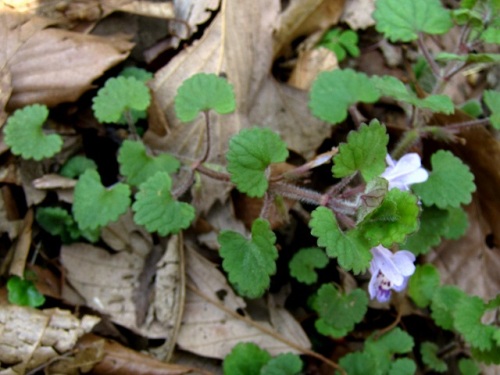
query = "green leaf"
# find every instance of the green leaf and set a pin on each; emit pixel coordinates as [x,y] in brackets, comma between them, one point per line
[359,363]
[338,310]
[468,367]
[251,151]
[444,302]
[467,316]
[470,58]
[24,135]
[341,42]
[433,225]
[75,166]
[157,210]
[203,92]
[372,197]
[403,366]
[457,223]
[332,93]
[394,88]
[138,166]
[138,73]
[283,364]
[95,205]
[23,292]
[428,351]
[121,95]
[304,262]
[492,100]
[58,222]
[351,250]
[423,284]
[487,356]
[491,35]
[245,359]
[364,151]
[403,20]
[383,349]
[450,183]
[249,263]
[472,107]
[393,220]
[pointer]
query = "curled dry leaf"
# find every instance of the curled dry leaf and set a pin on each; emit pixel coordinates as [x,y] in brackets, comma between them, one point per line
[125,234]
[193,13]
[52,66]
[358,14]
[31,337]
[209,330]
[309,64]
[110,284]
[22,246]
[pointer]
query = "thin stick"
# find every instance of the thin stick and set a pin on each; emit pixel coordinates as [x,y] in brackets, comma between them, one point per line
[434,66]
[266,330]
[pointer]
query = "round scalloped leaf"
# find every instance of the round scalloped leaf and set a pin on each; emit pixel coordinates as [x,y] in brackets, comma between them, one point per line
[249,263]
[24,135]
[467,366]
[402,366]
[350,249]
[492,100]
[364,151]
[77,165]
[138,166]
[251,151]
[119,95]
[245,358]
[23,292]
[444,302]
[332,94]
[138,73]
[423,284]
[403,20]
[302,265]
[95,205]
[450,183]
[359,363]
[156,209]
[429,353]
[283,364]
[396,217]
[203,92]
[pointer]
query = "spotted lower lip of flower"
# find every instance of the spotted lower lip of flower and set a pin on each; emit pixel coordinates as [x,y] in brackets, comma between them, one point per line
[404,172]
[390,271]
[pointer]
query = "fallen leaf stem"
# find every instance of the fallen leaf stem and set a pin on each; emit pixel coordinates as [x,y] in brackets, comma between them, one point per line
[467,124]
[221,176]
[266,330]
[207,137]
[432,63]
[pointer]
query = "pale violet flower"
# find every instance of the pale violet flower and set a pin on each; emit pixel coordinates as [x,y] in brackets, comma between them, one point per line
[404,172]
[389,271]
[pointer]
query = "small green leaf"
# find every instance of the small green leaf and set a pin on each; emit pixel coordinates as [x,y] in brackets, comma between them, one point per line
[359,363]
[394,88]
[433,225]
[121,95]
[305,261]
[75,166]
[393,220]
[138,166]
[444,302]
[384,348]
[157,210]
[251,151]
[364,151]
[457,223]
[467,317]
[283,364]
[471,58]
[472,107]
[428,351]
[403,366]
[332,94]
[341,42]
[203,92]
[245,359]
[24,135]
[138,73]
[491,35]
[351,250]
[450,183]
[423,284]
[468,367]
[23,292]
[403,20]
[372,197]
[491,356]
[249,263]
[95,205]
[492,100]
[340,311]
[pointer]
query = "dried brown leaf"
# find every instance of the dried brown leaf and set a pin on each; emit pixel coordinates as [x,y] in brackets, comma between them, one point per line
[22,246]
[309,64]
[29,337]
[358,14]
[125,234]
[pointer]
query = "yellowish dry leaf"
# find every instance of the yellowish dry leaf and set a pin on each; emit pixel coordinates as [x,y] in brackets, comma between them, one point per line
[309,64]
[22,246]
[358,14]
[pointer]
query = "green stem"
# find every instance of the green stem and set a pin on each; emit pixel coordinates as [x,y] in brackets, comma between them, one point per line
[408,139]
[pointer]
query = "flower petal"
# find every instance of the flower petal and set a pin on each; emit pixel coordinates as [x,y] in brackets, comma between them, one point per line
[372,286]
[383,260]
[402,286]
[404,260]
[415,177]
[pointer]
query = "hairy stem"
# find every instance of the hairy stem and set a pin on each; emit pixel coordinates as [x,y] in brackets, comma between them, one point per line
[297,193]
[432,63]
[408,139]
[207,137]
[468,124]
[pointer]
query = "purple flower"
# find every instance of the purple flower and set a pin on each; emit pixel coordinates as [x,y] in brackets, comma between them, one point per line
[389,271]
[404,172]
